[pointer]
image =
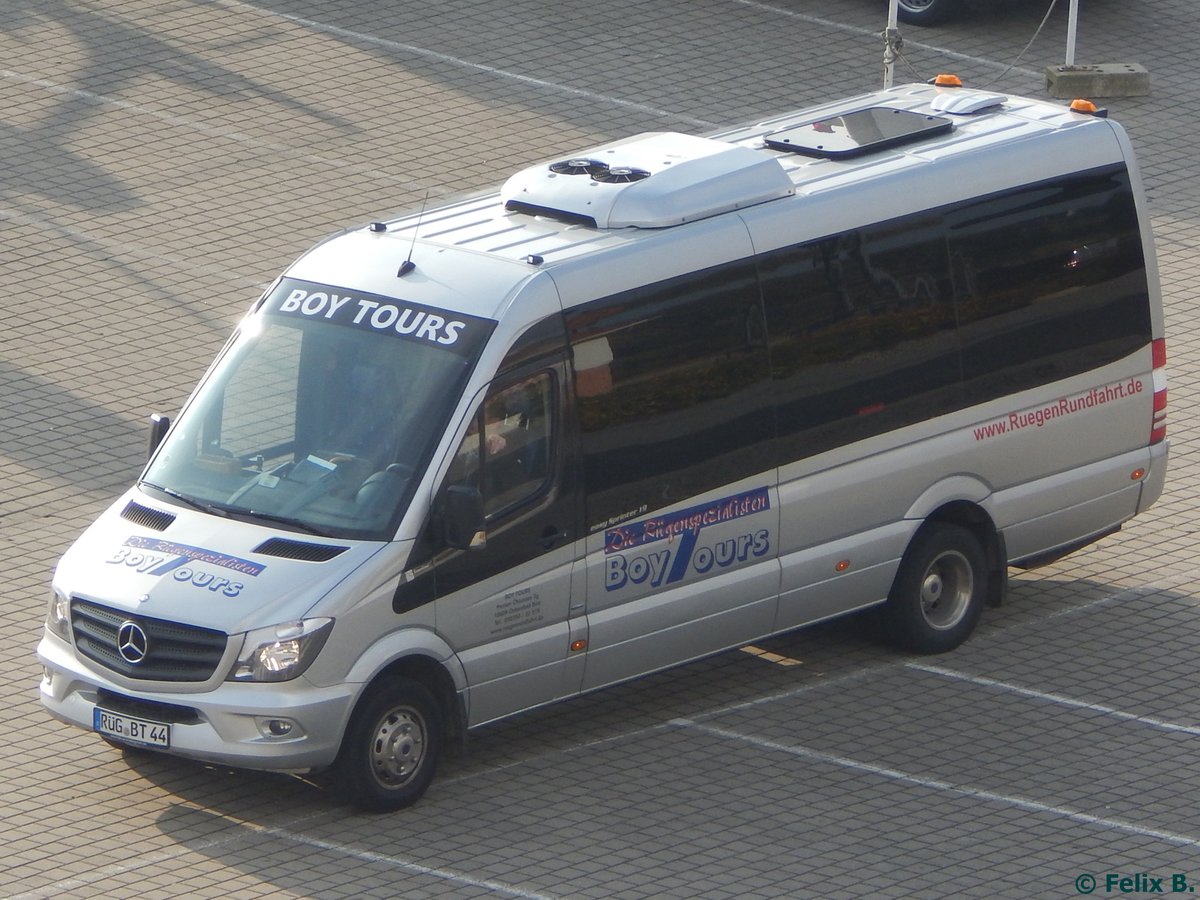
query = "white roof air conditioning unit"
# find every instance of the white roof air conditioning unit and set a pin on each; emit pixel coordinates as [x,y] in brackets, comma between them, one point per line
[653,180]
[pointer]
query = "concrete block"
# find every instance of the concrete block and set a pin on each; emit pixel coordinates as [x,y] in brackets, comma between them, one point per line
[1104,80]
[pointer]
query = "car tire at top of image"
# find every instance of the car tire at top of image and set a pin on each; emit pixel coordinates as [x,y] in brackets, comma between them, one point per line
[927,12]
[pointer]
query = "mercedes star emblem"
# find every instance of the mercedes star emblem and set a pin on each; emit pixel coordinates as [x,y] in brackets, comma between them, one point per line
[131,642]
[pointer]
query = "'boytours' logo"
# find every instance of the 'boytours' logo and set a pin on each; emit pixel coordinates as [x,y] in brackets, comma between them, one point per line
[681,529]
[157,557]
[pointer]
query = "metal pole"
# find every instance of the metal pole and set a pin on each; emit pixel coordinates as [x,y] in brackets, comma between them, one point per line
[891,42]
[1072,23]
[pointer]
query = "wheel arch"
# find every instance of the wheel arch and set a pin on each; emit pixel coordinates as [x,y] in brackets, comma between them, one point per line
[422,656]
[436,678]
[974,518]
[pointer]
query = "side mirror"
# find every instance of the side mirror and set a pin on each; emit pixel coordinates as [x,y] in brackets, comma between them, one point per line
[460,510]
[158,430]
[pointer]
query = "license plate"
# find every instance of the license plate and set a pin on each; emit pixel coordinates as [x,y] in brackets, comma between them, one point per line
[127,728]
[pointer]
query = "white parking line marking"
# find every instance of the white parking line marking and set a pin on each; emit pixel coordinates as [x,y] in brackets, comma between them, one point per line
[838,680]
[875,33]
[625,736]
[140,861]
[231,134]
[150,860]
[134,254]
[413,49]
[938,785]
[394,862]
[1055,698]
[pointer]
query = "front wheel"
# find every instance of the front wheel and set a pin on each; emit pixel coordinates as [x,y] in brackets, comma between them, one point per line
[939,590]
[391,747]
[926,12]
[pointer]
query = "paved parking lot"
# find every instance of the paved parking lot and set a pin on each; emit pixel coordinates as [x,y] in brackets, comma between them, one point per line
[161,160]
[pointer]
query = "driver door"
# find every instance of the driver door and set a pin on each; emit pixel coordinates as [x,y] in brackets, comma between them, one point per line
[508,608]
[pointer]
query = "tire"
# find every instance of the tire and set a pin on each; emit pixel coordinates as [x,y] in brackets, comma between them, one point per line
[391,747]
[927,12]
[939,590]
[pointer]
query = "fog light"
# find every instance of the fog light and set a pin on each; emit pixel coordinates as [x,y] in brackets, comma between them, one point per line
[278,728]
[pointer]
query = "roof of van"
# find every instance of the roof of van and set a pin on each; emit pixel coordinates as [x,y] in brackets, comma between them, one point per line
[579,204]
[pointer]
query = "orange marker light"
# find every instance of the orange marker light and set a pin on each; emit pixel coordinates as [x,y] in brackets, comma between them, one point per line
[576,646]
[842,565]
[1137,474]
[946,79]
[1083,106]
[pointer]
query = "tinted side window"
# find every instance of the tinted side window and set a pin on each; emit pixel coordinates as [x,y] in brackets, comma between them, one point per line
[506,452]
[862,334]
[673,389]
[520,453]
[1050,280]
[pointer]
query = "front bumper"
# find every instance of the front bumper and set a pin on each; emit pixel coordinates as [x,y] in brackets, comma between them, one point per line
[227,725]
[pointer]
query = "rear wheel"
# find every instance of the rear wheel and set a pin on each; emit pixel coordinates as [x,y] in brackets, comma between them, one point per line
[939,590]
[391,747]
[926,12]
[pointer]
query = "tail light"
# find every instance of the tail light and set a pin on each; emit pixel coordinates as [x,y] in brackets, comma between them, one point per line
[1158,426]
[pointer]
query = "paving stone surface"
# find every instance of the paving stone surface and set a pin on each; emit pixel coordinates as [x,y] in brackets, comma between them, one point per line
[162,160]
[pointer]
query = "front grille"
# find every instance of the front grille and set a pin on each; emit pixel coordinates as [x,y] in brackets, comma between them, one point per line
[174,652]
[147,709]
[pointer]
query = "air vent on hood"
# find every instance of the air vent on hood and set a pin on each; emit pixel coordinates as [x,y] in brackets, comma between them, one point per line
[652,180]
[156,519]
[302,550]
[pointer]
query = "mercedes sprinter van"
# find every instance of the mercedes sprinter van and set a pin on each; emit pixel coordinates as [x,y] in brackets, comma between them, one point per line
[647,402]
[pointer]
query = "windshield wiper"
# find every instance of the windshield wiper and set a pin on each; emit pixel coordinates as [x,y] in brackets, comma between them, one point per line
[229,512]
[188,501]
[297,524]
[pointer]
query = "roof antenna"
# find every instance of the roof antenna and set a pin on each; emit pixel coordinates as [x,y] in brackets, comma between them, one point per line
[408,265]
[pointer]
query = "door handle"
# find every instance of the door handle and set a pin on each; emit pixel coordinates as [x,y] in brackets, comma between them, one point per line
[551,535]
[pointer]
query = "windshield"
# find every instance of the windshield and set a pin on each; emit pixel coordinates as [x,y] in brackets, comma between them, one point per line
[323,413]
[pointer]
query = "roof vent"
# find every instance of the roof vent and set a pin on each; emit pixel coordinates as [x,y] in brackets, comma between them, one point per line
[965,103]
[653,180]
[578,167]
[620,175]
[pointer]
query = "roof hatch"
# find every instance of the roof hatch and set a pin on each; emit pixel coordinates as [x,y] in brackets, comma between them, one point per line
[653,180]
[857,132]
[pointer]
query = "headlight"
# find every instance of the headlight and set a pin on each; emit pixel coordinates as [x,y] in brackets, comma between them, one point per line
[280,652]
[58,616]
